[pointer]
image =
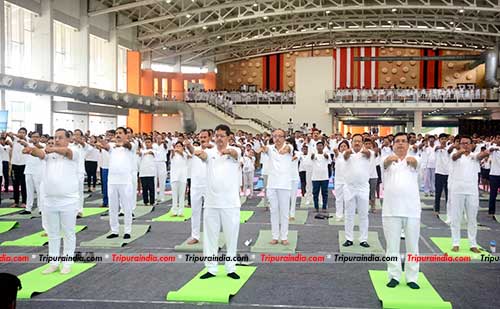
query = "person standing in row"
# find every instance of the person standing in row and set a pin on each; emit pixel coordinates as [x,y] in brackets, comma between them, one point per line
[91,160]
[147,172]
[33,175]
[494,177]
[319,175]
[294,176]
[248,169]
[442,170]
[178,178]
[18,161]
[401,210]
[339,180]
[160,147]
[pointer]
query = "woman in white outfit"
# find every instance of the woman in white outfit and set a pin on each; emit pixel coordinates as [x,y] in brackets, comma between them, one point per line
[178,178]
[295,177]
[339,180]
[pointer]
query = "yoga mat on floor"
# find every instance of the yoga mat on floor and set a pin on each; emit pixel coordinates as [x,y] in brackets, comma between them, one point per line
[35,239]
[429,198]
[168,216]
[497,218]
[426,206]
[16,216]
[34,282]
[333,220]
[444,244]
[7,211]
[487,197]
[463,225]
[101,241]
[311,205]
[373,241]
[243,199]
[218,289]
[403,297]
[300,217]
[378,204]
[94,202]
[184,247]
[245,215]
[261,204]
[6,226]
[262,244]
[138,212]
[90,211]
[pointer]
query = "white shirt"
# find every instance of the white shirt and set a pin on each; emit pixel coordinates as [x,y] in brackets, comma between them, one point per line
[401,193]
[82,152]
[92,154]
[495,163]
[223,186]
[320,167]
[442,161]
[147,167]
[357,177]
[161,152]
[340,169]
[295,167]
[264,160]
[18,158]
[34,165]
[305,164]
[5,153]
[198,171]
[464,177]
[179,168]
[280,175]
[248,164]
[59,187]
[104,158]
[120,167]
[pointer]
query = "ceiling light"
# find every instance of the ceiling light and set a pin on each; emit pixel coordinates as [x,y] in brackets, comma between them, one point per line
[188,15]
[168,1]
[461,11]
[328,12]
[204,27]
[265,17]
[394,10]
[451,22]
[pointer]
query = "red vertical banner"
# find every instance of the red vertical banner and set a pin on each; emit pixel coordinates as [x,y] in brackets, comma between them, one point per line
[439,65]
[282,72]
[422,70]
[367,68]
[264,72]
[377,53]
[430,70]
[343,67]
[273,72]
[351,61]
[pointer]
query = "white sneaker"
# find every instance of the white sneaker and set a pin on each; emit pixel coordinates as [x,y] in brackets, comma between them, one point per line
[66,269]
[50,269]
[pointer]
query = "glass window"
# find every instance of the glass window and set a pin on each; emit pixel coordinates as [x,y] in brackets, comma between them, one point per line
[18,40]
[122,69]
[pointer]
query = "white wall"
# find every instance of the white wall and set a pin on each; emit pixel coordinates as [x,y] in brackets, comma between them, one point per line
[167,124]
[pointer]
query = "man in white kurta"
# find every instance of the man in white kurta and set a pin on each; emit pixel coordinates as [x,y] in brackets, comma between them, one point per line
[357,190]
[222,205]
[161,149]
[401,210]
[60,198]
[33,175]
[464,192]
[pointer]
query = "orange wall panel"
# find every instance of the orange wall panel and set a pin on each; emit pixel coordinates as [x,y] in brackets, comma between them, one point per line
[134,86]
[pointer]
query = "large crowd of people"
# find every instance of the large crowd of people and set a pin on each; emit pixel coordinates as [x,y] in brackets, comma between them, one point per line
[411,94]
[240,97]
[213,167]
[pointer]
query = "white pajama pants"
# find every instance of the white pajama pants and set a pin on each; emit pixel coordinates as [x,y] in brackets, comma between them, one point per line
[309,186]
[293,197]
[120,194]
[459,203]
[360,203]
[339,200]
[392,232]
[160,180]
[178,197]
[81,182]
[280,207]
[429,180]
[197,197]
[61,223]
[248,182]
[213,219]
[33,187]
[266,197]
[134,190]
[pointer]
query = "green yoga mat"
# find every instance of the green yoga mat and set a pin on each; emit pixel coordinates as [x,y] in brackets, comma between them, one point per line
[7,211]
[214,290]
[138,212]
[16,216]
[444,244]
[373,241]
[403,297]
[34,282]
[303,204]
[6,226]
[101,241]
[300,217]
[188,212]
[245,215]
[262,244]
[261,204]
[36,239]
[334,221]
[184,247]
[90,211]
[497,218]
[463,225]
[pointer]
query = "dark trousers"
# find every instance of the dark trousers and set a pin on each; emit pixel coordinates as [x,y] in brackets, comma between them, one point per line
[303,181]
[188,191]
[91,170]
[104,186]
[148,189]
[323,186]
[494,185]
[441,182]
[6,178]
[19,181]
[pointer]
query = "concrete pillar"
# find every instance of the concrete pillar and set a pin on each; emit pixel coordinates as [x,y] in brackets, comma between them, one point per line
[2,50]
[147,60]
[113,40]
[177,65]
[84,47]
[409,127]
[417,121]
[335,124]
[43,61]
[210,66]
